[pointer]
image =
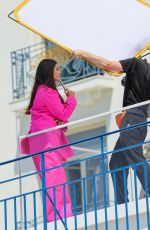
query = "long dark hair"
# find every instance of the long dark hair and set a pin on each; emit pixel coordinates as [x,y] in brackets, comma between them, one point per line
[44,76]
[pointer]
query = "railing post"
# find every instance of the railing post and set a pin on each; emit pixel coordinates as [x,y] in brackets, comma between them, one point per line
[55,213]
[12,74]
[15,213]
[44,191]
[104,181]
[5,215]
[126,197]
[34,206]
[25,211]
[20,183]
[84,203]
[136,198]
[22,77]
[146,192]
[65,216]
[115,199]
[95,203]
[75,205]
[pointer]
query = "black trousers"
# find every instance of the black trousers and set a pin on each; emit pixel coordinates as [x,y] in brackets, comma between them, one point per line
[131,156]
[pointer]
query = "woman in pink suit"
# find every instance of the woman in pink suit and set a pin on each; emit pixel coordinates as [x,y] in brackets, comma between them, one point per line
[48,109]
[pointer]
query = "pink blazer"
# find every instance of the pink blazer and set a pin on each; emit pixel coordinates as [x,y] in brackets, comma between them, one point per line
[46,110]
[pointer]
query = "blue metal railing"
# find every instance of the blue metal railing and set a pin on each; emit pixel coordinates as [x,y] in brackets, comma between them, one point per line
[77,69]
[84,180]
[21,67]
[23,73]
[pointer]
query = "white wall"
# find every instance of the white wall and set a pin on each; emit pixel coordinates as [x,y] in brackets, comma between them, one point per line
[12,37]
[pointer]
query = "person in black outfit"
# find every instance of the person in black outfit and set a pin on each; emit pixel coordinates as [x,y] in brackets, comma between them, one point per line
[136,90]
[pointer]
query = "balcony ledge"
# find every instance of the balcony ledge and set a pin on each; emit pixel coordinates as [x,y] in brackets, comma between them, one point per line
[95,84]
[110,216]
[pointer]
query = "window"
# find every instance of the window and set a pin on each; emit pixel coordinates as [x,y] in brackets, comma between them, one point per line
[87,168]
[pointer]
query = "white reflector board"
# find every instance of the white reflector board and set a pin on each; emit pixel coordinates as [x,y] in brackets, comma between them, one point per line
[115,29]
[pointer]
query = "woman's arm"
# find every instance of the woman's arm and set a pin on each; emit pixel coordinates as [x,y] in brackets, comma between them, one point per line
[55,106]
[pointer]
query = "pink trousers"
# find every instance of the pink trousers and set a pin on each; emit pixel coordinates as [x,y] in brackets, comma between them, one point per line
[54,177]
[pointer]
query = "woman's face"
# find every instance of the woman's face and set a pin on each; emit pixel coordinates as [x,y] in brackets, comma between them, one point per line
[56,73]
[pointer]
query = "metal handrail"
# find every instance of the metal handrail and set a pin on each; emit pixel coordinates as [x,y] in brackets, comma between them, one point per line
[105,172]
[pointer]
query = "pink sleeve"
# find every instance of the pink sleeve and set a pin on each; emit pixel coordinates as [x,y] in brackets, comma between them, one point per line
[55,106]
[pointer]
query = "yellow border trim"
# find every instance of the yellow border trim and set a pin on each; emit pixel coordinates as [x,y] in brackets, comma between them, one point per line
[147,46]
[144,3]
[17,9]
[114,74]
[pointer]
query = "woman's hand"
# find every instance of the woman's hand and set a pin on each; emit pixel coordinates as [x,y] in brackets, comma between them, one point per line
[69,92]
[59,122]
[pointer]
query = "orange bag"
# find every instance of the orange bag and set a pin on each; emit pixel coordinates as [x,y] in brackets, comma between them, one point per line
[119,118]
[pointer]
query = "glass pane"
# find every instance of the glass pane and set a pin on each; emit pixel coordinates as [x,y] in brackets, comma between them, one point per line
[74,173]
